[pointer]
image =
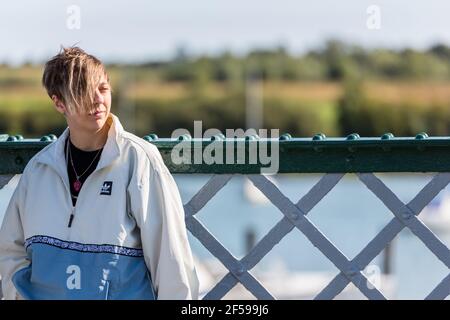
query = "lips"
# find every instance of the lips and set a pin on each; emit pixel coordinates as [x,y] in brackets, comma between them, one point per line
[97,114]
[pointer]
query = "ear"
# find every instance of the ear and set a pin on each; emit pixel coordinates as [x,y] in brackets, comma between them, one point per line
[59,106]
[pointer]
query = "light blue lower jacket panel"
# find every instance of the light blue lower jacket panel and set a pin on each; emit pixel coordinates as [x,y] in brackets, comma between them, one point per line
[69,270]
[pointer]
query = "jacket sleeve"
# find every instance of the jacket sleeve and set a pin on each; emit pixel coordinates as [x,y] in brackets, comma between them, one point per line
[13,256]
[159,213]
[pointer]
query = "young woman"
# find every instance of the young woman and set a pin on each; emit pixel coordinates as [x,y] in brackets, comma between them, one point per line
[96,214]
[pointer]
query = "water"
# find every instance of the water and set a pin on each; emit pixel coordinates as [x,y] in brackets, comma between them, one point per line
[350,216]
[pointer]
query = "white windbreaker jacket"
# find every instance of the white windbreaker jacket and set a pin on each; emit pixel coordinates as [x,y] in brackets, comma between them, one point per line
[127,238]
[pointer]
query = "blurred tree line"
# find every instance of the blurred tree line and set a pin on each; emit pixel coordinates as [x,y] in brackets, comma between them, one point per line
[162,96]
[334,61]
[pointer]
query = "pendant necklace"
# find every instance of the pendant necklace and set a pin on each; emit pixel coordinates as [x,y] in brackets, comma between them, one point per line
[77,184]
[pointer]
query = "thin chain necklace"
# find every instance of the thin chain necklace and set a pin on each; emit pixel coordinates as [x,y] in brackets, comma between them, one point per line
[77,184]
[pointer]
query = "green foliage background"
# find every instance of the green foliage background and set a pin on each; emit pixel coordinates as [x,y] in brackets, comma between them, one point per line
[337,89]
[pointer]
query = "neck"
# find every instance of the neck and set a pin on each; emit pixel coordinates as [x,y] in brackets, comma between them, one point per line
[89,141]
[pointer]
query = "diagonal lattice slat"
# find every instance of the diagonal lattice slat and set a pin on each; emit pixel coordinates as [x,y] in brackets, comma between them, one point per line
[206,193]
[325,184]
[230,262]
[197,202]
[295,217]
[4,179]
[442,290]
[322,188]
[387,234]
[274,236]
[319,191]
[264,246]
[298,218]
[429,192]
[362,259]
[407,217]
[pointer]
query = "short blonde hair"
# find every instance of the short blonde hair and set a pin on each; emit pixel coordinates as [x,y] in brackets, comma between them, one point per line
[73,76]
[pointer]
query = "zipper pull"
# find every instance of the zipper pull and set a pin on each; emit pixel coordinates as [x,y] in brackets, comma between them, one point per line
[70,220]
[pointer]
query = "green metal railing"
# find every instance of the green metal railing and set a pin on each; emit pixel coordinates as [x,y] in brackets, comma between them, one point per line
[296,155]
[334,157]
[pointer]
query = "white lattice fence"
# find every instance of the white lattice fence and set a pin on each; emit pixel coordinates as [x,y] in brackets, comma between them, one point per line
[295,216]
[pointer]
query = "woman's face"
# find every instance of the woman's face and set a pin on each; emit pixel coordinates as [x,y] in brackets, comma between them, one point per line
[92,122]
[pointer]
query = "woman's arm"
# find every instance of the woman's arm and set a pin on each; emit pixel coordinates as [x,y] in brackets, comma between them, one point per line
[12,251]
[159,213]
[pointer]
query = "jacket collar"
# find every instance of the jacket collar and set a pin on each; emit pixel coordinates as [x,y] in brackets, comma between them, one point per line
[55,156]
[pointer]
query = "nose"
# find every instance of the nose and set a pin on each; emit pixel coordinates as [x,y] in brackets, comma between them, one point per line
[98,99]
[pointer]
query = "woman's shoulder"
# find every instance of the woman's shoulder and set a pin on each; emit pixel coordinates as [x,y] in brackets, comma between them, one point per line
[142,151]
[37,158]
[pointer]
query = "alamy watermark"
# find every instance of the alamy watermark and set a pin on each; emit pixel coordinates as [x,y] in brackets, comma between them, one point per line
[373,21]
[251,146]
[73,21]
[373,275]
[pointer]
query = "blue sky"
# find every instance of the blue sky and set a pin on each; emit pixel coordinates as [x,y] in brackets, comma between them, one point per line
[138,30]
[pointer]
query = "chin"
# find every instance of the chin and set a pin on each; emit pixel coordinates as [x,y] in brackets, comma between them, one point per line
[95,125]
[100,124]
